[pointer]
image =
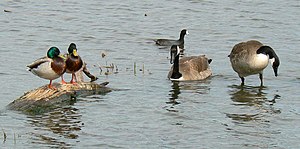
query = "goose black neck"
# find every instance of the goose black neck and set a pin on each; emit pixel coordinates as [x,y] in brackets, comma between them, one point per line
[181,37]
[271,53]
[176,74]
[268,51]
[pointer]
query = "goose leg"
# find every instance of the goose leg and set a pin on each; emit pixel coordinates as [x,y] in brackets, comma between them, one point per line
[243,81]
[261,79]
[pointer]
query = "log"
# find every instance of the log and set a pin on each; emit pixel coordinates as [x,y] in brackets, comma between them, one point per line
[43,99]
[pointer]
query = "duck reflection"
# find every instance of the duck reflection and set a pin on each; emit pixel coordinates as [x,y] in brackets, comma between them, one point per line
[253,97]
[62,122]
[190,87]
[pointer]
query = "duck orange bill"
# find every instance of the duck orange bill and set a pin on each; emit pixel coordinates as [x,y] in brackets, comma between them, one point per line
[75,52]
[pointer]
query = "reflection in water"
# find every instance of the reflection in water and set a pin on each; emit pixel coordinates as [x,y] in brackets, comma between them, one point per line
[252,114]
[62,122]
[248,95]
[252,97]
[174,92]
[190,87]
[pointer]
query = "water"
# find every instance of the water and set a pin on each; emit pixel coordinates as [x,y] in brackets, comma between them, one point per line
[148,110]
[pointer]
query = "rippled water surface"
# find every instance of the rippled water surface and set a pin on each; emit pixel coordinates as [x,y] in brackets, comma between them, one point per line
[148,110]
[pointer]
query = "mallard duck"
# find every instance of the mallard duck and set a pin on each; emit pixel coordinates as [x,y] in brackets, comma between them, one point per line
[170,42]
[252,57]
[188,68]
[73,62]
[50,67]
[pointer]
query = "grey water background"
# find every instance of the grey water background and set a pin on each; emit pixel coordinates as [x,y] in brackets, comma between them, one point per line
[148,110]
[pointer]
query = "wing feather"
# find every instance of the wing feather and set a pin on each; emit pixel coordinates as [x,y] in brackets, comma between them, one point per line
[38,62]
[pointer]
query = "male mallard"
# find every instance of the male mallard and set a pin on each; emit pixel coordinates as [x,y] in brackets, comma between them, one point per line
[252,57]
[50,67]
[73,62]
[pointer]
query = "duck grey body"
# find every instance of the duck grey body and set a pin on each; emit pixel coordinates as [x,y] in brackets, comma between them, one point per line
[252,57]
[170,42]
[188,68]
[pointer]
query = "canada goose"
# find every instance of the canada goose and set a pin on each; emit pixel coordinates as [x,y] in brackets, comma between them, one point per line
[252,57]
[170,42]
[188,68]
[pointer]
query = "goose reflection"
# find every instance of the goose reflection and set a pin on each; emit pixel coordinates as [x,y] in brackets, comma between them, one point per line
[62,122]
[247,95]
[256,97]
[174,93]
[191,88]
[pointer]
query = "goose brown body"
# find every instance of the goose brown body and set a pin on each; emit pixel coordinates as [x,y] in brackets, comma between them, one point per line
[189,68]
[252,57]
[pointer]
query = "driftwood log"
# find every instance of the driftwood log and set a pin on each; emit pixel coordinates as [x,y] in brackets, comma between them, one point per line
[43,99]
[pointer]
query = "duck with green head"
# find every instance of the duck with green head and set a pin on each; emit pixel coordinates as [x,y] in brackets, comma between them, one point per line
[50,67]
[73,62]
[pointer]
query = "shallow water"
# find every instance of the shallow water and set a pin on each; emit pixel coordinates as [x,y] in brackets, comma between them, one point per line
[148,110]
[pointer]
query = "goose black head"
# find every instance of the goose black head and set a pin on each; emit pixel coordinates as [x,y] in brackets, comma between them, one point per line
[183,33]
[274,59]
[174,51]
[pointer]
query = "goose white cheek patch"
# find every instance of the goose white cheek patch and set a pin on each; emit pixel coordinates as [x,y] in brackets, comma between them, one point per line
[178,50]
[262,59]
[272,60]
